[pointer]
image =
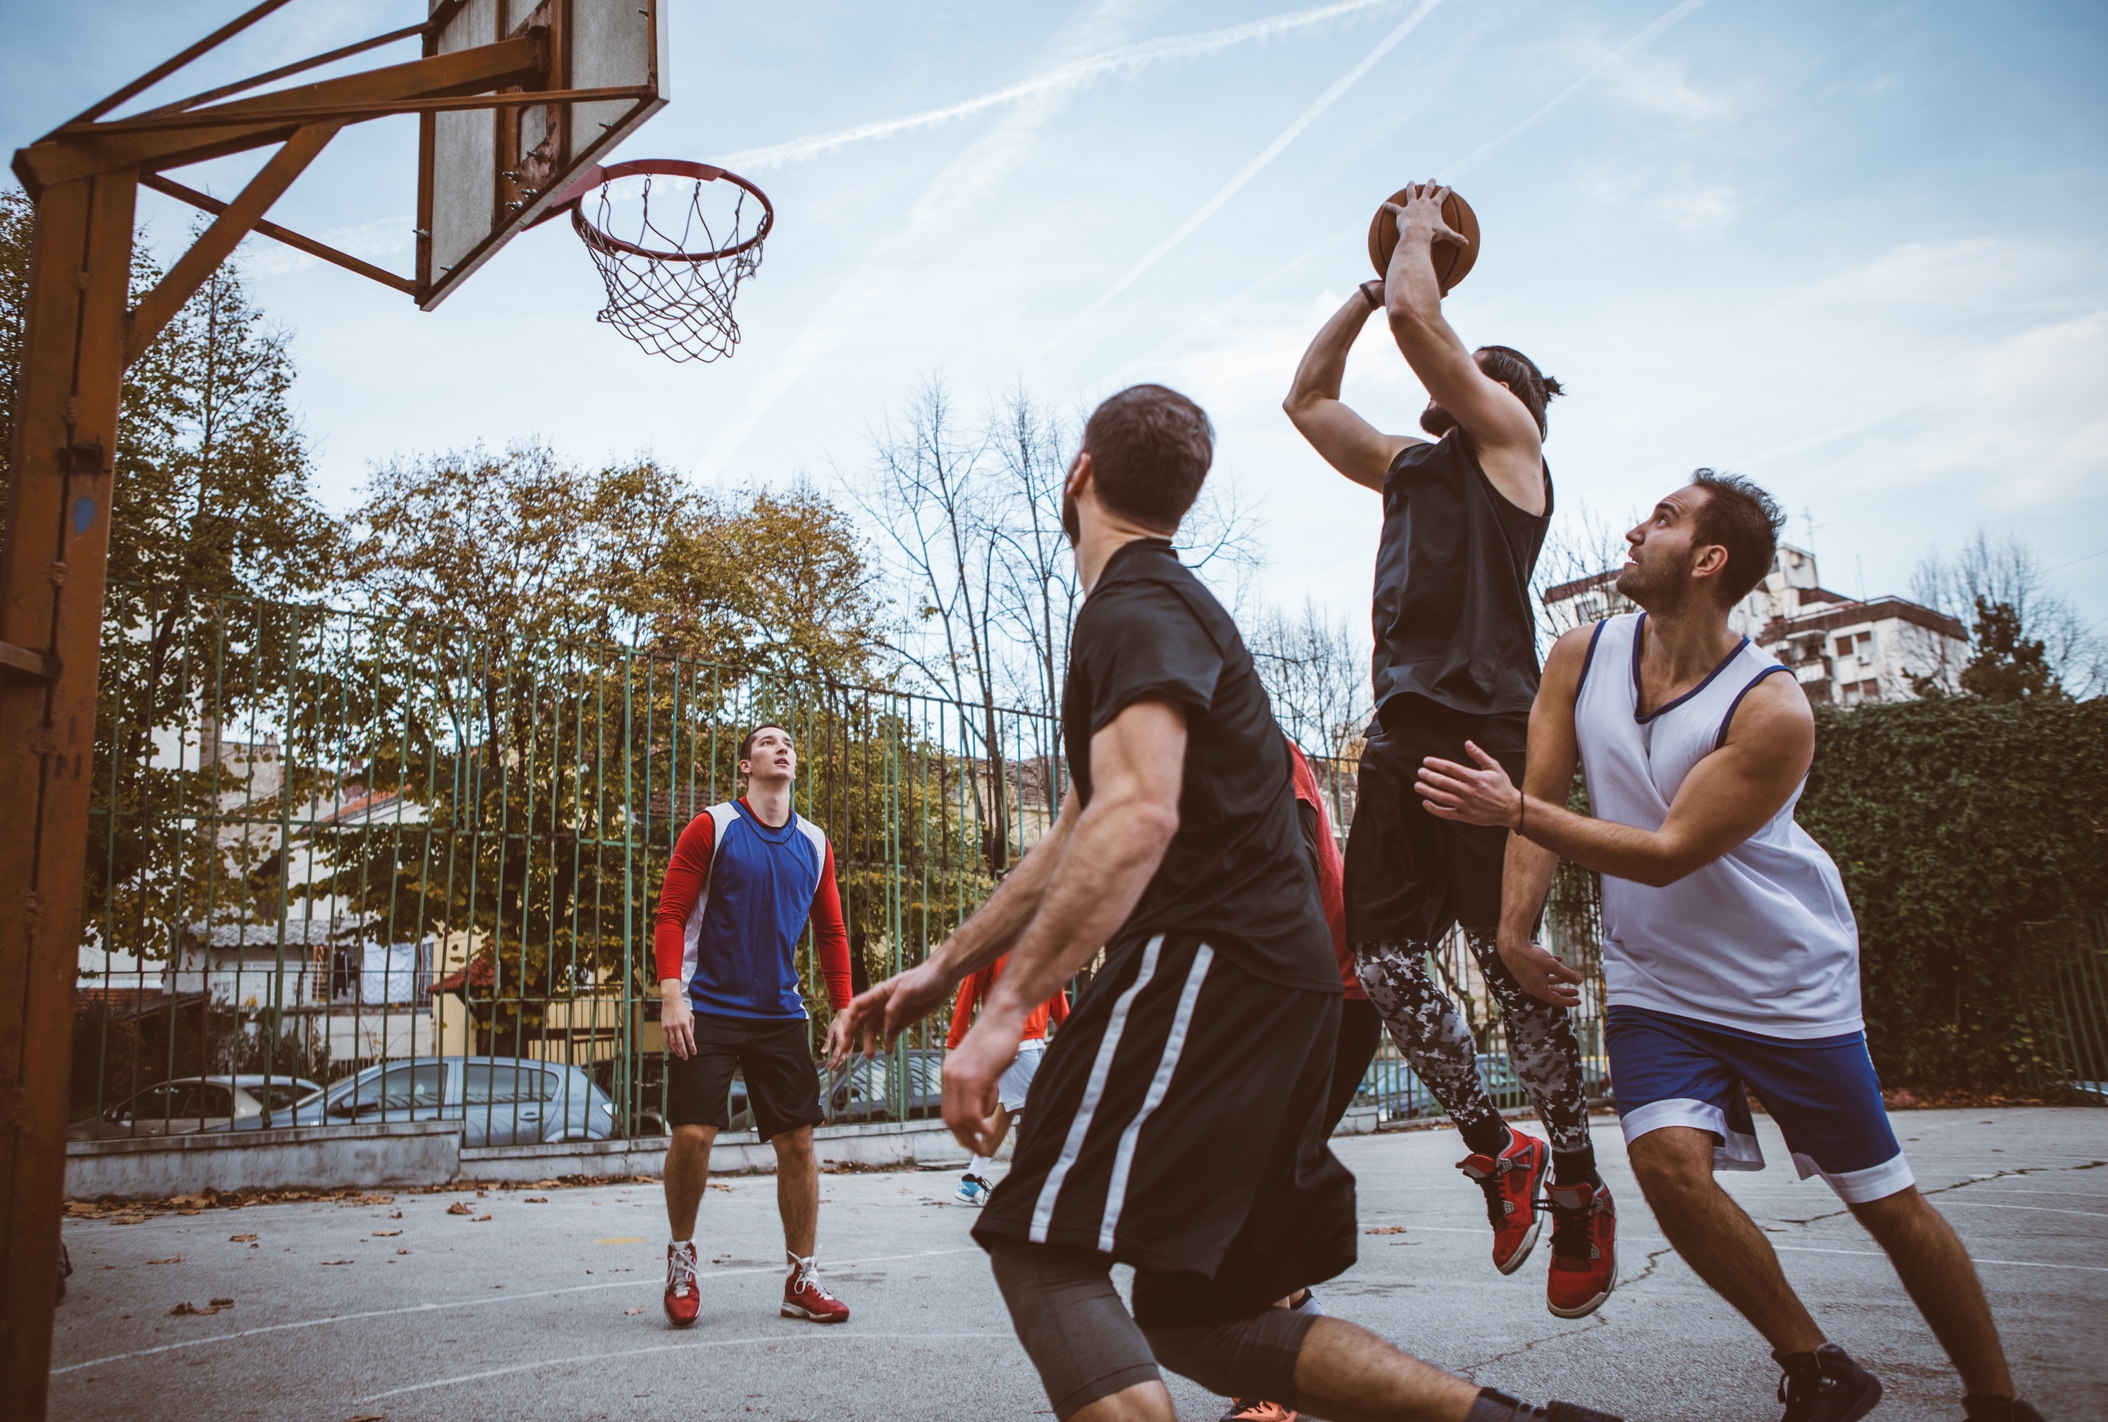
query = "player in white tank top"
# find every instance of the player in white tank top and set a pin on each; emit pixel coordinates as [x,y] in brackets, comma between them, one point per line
[1759,939]
[1730,955]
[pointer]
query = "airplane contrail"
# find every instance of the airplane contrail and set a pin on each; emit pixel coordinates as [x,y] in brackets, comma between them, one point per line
[1563,95]
[1072,75]
[1245,174]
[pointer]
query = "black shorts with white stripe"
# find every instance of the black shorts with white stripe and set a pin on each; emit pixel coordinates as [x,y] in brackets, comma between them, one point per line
[1177,1124]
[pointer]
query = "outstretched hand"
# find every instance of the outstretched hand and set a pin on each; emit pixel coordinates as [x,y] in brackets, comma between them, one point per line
[1542,975]
[883,1011]
[972,1075]
[1485,796]
[1424,209]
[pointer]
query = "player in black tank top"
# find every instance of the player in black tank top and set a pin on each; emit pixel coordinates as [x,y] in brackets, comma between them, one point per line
[1464,517]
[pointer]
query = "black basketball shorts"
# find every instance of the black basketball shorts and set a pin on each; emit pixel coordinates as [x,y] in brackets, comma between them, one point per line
[775,1065]
[1177,1124]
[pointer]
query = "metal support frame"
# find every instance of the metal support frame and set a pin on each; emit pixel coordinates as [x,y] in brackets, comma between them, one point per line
[78,338]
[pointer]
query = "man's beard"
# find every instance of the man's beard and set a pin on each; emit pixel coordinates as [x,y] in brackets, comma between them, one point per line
[1071,523]
[1652,591]
[1436,420]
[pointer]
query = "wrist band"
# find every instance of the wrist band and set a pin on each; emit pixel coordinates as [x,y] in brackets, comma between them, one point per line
[1369,296]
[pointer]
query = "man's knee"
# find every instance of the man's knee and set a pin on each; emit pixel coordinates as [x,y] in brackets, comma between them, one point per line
[1674,1162]
[1253,1356]
[794,1148]
[689,1139]
[1901,1214]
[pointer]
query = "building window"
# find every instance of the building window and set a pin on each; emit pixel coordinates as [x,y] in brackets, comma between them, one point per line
[1870,689]
[1844,646]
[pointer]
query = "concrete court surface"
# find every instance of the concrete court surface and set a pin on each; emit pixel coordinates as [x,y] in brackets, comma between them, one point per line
[551,1311]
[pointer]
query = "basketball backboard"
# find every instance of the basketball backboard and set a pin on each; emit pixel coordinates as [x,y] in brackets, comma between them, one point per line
[484,175]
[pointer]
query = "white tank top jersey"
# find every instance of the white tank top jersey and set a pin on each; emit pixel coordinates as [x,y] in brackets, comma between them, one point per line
[1762,939]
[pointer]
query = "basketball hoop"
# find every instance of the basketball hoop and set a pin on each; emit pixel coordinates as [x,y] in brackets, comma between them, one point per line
[670,288]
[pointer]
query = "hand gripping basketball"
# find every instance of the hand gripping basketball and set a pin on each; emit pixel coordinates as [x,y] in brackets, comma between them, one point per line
[1456,231]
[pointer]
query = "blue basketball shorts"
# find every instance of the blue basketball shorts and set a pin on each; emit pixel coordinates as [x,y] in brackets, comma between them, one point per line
[1823,1095]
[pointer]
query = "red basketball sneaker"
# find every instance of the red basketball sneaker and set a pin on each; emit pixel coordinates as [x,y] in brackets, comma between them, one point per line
[681,1298]
[1511,1183]
[1584,1249]
[804,1298]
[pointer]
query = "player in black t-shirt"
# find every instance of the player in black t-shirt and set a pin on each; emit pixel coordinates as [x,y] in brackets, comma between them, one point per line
[1156,1134]
[1456,659]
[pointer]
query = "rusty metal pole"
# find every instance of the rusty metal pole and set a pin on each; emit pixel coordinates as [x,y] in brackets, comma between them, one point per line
[51,596]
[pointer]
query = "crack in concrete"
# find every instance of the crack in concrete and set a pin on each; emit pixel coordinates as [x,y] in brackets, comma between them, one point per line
[2001,1174]
[1595,1320]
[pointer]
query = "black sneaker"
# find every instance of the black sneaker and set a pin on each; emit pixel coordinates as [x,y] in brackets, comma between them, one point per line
[1999,1409]
[1826,1386]
[1496,1406]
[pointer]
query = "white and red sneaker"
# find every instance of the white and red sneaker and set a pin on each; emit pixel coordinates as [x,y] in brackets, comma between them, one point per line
[682,1301]
[803,1297]
[1584,1249]
[1511,1182]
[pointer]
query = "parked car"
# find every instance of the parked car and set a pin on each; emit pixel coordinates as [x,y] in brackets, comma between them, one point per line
[498,1100]
[857,1090]
[201,1103]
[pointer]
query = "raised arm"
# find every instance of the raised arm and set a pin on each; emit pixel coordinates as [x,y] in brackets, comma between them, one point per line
[1503,429]
[1137,769]
[1728,796]
[1348,442]
[1526,879]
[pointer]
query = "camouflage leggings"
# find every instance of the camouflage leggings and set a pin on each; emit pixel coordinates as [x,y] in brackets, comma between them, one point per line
[1431,1033]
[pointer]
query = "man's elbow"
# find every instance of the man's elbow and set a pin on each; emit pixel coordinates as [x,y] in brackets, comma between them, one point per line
[1667,866]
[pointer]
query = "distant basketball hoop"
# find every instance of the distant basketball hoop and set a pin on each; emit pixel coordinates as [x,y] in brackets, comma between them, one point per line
[672,274]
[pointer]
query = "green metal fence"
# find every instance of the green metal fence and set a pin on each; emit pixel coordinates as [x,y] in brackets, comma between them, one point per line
[2065,976]
[342,847]
[327,842]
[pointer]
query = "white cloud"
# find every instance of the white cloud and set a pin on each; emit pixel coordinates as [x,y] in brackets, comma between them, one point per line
[1655,84]
[1697,212]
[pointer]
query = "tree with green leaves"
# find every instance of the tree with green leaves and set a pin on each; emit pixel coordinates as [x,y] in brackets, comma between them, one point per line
[2007,666]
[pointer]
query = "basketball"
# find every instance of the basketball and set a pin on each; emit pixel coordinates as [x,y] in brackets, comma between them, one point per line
[1452,263]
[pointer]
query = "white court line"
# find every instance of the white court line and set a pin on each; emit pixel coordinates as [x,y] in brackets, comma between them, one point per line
[1877,1254]
[673,1347]
[473,1303]
[1944,1202]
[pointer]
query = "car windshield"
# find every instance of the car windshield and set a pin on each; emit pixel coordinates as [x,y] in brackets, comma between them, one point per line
[282,1095]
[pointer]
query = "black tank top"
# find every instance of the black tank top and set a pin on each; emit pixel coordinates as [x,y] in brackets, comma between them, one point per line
[1453,621]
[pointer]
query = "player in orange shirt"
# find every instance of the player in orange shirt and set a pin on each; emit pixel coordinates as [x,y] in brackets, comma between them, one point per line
[974,1185]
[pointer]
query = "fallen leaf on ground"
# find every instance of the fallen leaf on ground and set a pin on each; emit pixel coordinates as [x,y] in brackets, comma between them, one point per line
[386,1233]
[457,1208]
[190,1212]
[128,1219]
[336,1261]
[190,1308]
[402,1251]
[395,1214]
[223,1303]
[174,1259]
[536,1200]
[1388,1229]
[638,1309]
[367,1417]
[241,1238]
[547,1184]
[726,1188]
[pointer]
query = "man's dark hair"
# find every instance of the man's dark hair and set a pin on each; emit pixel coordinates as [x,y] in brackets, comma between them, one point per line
[1150,449]
[1744,520]
[1530,385]
[746,742]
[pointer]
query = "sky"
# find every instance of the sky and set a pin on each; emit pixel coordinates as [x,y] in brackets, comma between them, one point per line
[1852,251]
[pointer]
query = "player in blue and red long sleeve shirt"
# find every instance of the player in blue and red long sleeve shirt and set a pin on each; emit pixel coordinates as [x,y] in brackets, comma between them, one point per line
[745,879]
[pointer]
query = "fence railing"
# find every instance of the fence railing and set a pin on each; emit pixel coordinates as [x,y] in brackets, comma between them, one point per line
[353,867]
[2066,975]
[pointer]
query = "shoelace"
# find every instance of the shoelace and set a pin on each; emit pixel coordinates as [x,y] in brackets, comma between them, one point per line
[682,1269]
[805,1278]
[1570,1232]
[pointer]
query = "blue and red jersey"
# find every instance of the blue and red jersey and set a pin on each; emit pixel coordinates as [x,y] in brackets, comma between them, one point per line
[738,895]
